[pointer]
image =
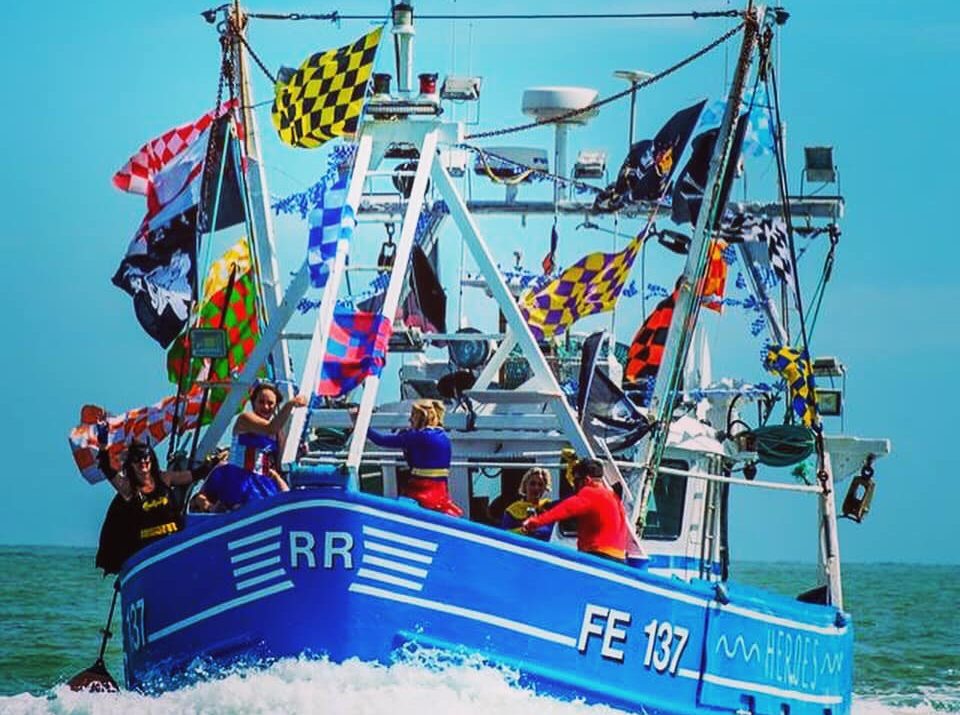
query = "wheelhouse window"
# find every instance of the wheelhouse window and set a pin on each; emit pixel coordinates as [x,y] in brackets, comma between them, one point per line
[665,508]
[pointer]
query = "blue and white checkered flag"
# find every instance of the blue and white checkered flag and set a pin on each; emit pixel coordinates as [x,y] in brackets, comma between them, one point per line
[758,139]
[333,220]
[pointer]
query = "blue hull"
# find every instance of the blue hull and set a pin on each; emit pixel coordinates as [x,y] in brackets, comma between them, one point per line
[334,573]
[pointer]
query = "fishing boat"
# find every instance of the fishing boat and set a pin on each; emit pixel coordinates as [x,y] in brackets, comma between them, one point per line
[342,567]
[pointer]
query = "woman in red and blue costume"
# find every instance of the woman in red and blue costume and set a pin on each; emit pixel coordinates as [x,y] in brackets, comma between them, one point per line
[427,449]
[253,469]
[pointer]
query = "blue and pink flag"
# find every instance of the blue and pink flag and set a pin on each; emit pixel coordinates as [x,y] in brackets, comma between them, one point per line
[357,348]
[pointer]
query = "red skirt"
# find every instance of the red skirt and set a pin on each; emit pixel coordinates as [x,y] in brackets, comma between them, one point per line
[431,494]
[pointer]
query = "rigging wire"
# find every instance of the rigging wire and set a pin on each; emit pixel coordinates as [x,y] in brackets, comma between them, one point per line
[336,16]
[785,201]
[633,88]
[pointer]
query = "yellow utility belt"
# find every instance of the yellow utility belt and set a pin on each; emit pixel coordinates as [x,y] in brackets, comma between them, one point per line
[161,530]
[430,473]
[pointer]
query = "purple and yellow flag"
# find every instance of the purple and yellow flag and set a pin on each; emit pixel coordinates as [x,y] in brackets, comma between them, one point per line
[591,285]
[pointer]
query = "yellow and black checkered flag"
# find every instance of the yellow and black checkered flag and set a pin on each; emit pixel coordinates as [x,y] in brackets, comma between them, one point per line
[325,96]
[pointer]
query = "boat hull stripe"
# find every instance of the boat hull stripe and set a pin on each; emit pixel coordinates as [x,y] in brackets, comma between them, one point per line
[247,555]
[218,609]
[389,578]
[465,613]
[256,566]
[771,690]
[254,538]
[399,538]
[393,566]
[241,585]
[399,553]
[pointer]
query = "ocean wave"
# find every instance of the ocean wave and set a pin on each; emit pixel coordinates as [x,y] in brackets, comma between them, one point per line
[424,682]
[304,686]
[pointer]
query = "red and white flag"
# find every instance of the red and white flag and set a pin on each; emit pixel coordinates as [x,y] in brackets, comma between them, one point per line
[139,173]
[98,429]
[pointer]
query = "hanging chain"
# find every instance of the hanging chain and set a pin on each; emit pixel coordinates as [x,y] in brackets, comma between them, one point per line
[619,95]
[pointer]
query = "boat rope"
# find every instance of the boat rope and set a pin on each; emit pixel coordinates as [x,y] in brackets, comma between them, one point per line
[823,474]
[256,58]
[580,186]
[614,97]
[336,16]
[193,309]
[509,181]
[834,233]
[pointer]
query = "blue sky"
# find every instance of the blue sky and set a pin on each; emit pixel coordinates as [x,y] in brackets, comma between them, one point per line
[88,83]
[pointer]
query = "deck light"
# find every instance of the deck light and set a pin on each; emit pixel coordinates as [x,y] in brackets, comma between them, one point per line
[828,367]
[829,402]
[818,164]
[590,164]
[208,343]
[465,89]
[402,15]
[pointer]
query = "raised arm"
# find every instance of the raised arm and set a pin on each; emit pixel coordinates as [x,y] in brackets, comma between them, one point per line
[250,421]
[384,439]
[569,508]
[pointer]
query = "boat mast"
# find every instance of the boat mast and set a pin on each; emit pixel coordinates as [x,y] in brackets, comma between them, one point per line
[680,335]
[258,222]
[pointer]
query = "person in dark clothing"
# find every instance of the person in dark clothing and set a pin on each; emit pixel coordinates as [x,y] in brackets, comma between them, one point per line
[601,521]
[119,538]
[152,510]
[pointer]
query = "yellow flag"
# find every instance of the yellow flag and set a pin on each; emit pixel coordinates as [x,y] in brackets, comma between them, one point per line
[325,96]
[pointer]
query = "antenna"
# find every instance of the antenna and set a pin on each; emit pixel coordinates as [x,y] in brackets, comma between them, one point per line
[547,104]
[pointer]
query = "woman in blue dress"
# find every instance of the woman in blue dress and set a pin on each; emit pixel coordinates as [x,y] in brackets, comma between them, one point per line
[253,469]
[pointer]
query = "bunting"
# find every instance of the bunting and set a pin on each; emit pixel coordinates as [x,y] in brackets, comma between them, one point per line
[137,176]
[715,282]
[324,97]
[357,348]
[159,273]
[591,285]
[794,366]
[773,232]
[549,262]
[159,268]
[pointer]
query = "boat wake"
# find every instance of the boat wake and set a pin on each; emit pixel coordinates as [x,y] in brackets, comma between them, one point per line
[424,683]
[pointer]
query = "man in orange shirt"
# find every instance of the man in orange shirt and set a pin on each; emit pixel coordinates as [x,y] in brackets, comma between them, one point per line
[601,522]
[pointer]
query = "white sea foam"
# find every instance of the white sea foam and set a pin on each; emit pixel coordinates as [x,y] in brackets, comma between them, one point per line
[355,688]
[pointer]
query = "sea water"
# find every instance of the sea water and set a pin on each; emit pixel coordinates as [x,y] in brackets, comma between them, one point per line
[53,603]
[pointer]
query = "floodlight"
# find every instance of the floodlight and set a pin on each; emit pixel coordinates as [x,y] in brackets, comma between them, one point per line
[818,164]
[465,89]
[591,164]
[828,367]
[829,402]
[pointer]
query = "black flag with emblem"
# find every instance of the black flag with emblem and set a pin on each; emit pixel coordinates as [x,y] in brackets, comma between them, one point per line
[646,172]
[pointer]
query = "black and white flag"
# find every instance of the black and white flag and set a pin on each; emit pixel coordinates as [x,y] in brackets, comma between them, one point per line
[746,228]
[774,232]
